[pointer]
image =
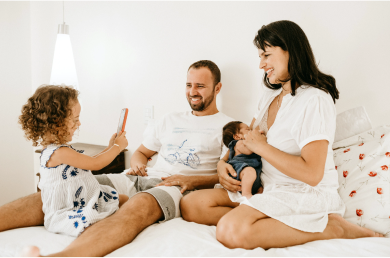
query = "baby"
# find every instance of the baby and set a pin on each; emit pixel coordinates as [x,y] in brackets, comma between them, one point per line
[246,163]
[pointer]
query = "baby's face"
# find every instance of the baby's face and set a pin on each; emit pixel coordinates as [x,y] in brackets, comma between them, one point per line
[244,129]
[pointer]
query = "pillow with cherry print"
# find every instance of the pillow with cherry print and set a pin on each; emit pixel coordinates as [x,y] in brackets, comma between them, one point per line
[364,178]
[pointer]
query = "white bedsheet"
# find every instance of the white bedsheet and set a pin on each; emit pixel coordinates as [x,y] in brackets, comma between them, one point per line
[180,238]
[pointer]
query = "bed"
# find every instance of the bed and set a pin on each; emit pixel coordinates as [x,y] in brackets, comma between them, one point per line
[362,154]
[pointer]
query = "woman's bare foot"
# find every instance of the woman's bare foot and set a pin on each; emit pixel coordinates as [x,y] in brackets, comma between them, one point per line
[30,251]
[338,227]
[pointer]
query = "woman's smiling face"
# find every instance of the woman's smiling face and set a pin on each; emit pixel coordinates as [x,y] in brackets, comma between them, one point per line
[274,62]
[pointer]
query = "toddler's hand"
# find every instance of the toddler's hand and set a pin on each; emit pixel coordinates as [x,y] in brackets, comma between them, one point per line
[121,140]
[112,140]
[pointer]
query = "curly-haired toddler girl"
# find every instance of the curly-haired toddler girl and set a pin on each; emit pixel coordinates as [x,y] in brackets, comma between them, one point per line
[72,197]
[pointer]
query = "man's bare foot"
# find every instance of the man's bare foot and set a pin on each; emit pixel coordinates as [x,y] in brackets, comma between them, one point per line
[338,227]
[30,251]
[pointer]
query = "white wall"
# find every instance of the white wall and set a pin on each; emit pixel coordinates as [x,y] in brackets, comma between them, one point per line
[16,158]
[129,54]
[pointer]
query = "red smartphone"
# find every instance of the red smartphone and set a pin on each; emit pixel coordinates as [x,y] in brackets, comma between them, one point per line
[122,121]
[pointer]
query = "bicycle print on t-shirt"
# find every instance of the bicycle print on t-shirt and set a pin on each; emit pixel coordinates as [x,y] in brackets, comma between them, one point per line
[183,155]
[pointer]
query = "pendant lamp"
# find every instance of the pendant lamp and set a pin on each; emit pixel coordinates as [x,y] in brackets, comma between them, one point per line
[63,70]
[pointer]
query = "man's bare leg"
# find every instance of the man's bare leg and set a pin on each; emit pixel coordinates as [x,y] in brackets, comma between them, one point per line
[24,212]
[117,230]
[206,206]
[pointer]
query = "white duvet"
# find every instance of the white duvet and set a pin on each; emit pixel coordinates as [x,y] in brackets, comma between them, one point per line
[181,238]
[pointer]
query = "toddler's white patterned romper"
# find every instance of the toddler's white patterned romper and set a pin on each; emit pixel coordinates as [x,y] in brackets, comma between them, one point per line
[72,197]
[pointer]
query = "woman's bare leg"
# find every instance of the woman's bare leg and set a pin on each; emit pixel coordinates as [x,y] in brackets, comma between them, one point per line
[206,206]
[24,212]
[245,227]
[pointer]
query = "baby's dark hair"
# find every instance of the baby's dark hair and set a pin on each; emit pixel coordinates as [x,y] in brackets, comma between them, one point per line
[46,112]
[229,130]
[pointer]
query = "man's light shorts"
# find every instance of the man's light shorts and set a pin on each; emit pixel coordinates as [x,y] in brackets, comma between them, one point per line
[168,197]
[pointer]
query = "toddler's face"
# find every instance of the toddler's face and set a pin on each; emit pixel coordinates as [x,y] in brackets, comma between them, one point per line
[244,129]
[74,120]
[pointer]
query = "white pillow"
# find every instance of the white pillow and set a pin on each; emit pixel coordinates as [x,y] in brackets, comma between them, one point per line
[351,122]
[364,178]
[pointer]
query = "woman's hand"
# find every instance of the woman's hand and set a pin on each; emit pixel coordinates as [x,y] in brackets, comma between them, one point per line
[184,182]
[229,183]
[254,140]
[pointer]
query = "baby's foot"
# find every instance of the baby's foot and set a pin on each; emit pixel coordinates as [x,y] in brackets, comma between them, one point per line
[30,251]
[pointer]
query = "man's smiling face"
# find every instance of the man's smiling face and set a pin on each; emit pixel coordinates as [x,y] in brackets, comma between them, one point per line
[200,88]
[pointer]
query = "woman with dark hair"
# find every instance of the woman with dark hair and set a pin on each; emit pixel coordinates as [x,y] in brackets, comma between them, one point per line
[294,129]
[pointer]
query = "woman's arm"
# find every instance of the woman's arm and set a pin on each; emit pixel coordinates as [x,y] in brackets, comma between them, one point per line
[308,167]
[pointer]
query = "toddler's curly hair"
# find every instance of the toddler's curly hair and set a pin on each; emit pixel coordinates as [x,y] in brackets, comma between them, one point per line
[46,112]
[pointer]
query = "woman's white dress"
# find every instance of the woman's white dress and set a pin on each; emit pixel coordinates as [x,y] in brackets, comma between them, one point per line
[72,197]
[308,116]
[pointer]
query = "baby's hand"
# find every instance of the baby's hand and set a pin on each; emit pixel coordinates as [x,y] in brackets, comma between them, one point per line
[121,140]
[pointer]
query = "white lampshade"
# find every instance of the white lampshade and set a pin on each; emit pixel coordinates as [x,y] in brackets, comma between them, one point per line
[64,70]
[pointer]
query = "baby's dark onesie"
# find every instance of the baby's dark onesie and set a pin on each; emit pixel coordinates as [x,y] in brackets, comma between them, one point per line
[242,161]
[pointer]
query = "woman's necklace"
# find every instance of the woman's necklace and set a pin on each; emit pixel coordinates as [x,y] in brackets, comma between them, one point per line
[277,102]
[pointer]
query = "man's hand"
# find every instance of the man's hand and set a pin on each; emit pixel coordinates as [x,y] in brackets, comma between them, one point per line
[184,182]
[137,170]
[229,183]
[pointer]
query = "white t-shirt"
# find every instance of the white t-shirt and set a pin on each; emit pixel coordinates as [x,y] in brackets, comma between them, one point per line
[308,116]
[187,144]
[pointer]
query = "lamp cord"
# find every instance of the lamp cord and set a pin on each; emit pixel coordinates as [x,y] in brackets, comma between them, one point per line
[63,12]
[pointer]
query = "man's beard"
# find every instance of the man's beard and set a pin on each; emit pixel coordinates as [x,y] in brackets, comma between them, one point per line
[202,105]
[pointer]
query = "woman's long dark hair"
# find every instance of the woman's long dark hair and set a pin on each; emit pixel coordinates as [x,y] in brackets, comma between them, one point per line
[302,67]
